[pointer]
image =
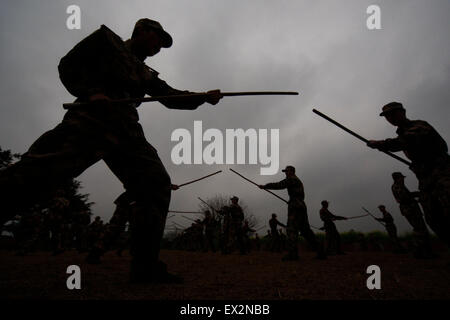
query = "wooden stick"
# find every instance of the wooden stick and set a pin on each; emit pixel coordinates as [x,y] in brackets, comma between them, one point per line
[258,186]
[211,207]
[364,215]
[181,96]
[373,216]
[359,137]
[189,219]
[193,212]
[209,175]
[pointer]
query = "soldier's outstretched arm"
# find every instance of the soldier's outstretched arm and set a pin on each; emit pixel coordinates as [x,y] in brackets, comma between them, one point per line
[275,185]
[158,87]
[392,145]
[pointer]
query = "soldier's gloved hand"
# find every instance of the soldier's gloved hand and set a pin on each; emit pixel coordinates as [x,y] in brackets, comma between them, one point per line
[175,187]
[261,186]
[213,96]
[100,99]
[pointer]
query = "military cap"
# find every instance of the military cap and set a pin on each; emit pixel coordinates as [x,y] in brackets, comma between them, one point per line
[396,175]
[324,201]
[274,215]
[234,198]
[288,167]
[392,106]
[145,23]
[381,206]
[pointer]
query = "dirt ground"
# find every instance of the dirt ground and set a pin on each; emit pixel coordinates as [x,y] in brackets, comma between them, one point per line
[212,276]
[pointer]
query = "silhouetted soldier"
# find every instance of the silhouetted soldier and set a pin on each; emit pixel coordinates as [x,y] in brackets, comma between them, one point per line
[57,216]
[257,241]
[225,232]
[246,230]
[390,228]
[100,68]
[236,237]
[332,237]
[297,214]
[410,209]
[80,228]
[282,240]
[210,231]
[96,232]
[276,241]
[428,153]
[268,240]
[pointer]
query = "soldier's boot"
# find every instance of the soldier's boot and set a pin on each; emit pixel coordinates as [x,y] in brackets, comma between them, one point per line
[152,273]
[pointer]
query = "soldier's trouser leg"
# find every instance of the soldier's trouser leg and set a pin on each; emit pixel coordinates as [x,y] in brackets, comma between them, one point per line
[118,221]
[58,155]
[292,229]
[144,177]
[421,234]
[435,200]
[330,241]
[338,243]
[392,232]
[306,232]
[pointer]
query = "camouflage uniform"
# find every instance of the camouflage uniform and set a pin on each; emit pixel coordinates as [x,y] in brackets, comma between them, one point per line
[58,214]
[410,209]
[391,230]
[297,215]
[236,237]
[225,232]
[103,63]
[246,230]
[333,239]
[276,239]
[210,232]
[431,163]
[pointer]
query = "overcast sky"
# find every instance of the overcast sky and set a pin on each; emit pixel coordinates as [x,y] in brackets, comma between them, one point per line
[322,49]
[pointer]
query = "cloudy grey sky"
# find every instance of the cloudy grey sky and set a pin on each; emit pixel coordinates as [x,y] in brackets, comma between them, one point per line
[322,49]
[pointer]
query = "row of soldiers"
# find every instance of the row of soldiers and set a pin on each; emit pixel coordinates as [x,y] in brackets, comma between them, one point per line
[430,162]
[227,230]
[409,208]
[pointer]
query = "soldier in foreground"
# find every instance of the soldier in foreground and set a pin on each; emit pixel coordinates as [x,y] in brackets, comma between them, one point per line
[100,68]
[333,239]
[428,153]
[297,214]
[410,209]
[390,228]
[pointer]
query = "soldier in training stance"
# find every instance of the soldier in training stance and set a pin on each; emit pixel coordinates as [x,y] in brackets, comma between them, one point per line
[410,209]
[390,228]
[297,214]
[99,69]
[276,244]
[333,239]
[428,153]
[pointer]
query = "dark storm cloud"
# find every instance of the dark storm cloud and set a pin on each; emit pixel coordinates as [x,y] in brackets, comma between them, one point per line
[322,49]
